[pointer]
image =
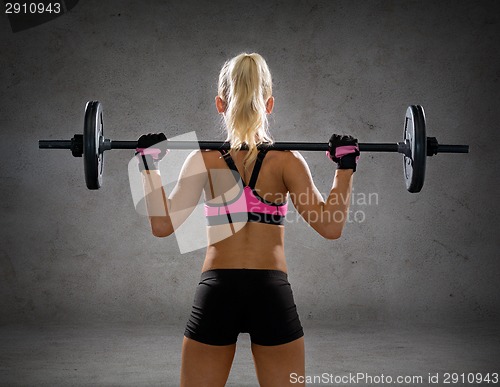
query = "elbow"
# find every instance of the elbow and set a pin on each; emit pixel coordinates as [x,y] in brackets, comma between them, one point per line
[161,233]
[328,231]
[331,235]
[161,229]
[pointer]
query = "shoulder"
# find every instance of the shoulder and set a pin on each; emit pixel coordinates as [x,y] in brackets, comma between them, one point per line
[197,161]
[285,155]
[292,159]
[287,160]
[208,156]
[295,169]
[290,164]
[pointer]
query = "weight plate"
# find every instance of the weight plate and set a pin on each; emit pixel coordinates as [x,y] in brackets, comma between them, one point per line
[416,141]
[93,157]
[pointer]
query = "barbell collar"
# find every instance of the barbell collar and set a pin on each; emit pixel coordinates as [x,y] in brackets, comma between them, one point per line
[77,145]
[404,148]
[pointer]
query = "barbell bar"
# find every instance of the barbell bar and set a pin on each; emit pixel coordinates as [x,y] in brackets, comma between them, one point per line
[415,146]
[280,145]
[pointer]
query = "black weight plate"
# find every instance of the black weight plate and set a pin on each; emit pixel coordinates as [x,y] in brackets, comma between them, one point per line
[93,157]
[416,140]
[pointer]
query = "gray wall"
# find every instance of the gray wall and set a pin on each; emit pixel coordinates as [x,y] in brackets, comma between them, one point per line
[72,255]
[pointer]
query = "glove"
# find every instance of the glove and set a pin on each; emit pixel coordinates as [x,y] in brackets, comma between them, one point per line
[147,154]
[343,150]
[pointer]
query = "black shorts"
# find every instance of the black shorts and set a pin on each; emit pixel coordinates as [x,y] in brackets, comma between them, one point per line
[230,301]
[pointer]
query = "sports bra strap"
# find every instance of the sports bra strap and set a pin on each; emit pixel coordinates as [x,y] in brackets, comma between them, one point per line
[256,168]
[229,160]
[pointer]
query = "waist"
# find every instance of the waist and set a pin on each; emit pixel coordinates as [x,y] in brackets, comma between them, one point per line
[231,256]
[243,274]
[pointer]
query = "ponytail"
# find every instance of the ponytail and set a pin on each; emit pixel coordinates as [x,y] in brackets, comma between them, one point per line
[245,85]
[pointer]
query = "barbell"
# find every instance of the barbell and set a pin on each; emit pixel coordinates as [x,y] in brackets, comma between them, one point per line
[415,146]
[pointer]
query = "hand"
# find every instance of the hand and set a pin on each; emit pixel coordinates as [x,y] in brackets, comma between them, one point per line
[343,150]
[147,153]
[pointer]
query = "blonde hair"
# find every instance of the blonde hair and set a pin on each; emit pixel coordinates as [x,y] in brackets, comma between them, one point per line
[245,85]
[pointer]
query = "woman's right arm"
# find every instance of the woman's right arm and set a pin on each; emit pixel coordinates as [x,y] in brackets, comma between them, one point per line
[328,216]
[167,214]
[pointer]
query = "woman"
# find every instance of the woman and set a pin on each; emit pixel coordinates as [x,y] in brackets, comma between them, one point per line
[244,286]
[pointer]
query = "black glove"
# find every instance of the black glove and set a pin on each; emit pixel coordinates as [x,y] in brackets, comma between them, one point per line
[149,156]
[343,150]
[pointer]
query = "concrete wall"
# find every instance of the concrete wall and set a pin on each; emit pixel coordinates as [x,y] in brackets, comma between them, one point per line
[69,254]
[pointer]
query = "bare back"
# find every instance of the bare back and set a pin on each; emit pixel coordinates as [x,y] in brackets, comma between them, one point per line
[254,245]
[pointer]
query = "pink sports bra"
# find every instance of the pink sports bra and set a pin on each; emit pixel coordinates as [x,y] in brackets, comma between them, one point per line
[247,206]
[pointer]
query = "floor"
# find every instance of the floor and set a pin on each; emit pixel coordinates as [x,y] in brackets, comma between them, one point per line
[341,354]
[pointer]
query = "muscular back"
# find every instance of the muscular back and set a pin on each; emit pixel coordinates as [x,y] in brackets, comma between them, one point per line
[248,245]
